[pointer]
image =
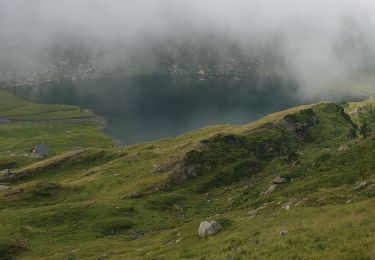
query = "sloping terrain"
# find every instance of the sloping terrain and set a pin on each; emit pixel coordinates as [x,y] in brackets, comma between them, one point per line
[297,184]
[63,128]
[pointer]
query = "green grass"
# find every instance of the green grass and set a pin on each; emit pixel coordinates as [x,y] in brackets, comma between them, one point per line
[76,204]
[14,108]
[47,124]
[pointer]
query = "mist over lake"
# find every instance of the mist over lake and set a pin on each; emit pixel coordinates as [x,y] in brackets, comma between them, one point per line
[145,108]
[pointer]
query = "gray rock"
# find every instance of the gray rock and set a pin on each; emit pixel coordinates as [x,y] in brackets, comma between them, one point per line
[208,228]
[279,180]
[135,195]
[253,213]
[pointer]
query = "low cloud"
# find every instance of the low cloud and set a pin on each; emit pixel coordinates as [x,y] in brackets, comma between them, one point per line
[324,45]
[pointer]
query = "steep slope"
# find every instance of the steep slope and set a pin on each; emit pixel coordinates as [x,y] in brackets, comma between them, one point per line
[304,173]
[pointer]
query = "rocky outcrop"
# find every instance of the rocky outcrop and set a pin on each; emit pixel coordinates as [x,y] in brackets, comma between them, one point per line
[299,123]
[208,228]
[190,166]
[164,166]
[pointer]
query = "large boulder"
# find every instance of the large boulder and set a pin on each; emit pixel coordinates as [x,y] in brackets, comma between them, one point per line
[208,228]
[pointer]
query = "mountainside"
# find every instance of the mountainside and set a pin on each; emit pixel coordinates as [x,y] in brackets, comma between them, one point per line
[204,57]
[297,184]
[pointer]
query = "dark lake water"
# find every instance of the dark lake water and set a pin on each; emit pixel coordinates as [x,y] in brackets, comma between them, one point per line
[140,109]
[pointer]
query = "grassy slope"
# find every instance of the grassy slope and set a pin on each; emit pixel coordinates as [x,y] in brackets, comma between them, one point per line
[79,208]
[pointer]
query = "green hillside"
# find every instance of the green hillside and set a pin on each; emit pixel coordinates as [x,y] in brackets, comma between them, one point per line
[297,184]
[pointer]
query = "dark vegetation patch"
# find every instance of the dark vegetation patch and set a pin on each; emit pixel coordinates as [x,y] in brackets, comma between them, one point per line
[126,211]
[114,227]
[165,202]
[8,165]
[334,127]
[367,121]
[55,218]
[225,222]
[9,249]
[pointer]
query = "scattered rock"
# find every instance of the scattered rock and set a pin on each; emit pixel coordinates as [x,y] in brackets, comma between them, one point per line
[294,202]
[358,111]
[164,166]
[301,202]
[135,195]
[283,233]
[208,228]
[279,180]
[270,189]
[252,213]
[5,172]
[361,185]
[343,148]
